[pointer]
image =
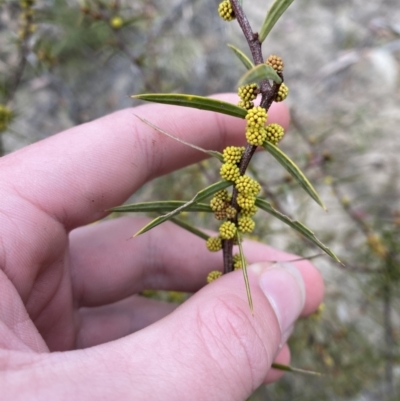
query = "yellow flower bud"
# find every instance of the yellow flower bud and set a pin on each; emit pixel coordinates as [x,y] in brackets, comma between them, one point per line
[233,154]
[256,117]
[212,276]
[230,212]
[217,204]
[256,136]
[230,172]
[249,212]
[275,62]
[116,22]
[282,94]
[246,224]
[247,186]
[227,230]
[274,133]
[225,11]
[214,244]
[246,202]
[237,262]
[248,92]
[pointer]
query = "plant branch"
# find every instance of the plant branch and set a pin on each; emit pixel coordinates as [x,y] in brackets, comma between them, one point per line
[251,37]
[268,94]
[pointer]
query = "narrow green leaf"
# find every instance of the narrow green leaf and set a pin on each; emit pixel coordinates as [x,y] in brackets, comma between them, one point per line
[190,228]
[197,102]
[245,276]
[274,13]
[212,153]
[299,227]
[288,368]
[203,194]
[259,73]
[289,165]
[160,207]
[242,57]
[318,255]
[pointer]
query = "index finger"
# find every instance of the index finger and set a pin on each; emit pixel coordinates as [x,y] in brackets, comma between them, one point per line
[76,175]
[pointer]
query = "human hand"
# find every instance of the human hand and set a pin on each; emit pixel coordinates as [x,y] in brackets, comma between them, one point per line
[68,286]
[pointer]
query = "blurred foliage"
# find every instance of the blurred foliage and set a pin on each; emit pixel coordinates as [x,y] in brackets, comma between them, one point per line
[69,62]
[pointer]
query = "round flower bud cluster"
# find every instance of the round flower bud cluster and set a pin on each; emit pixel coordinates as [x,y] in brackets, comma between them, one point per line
[217,204]
[246,202]
[256,117]
[230,172]
[275,62]
[230,212]
[227,230]
[255,130]
[247,186]
[237,262]
[249,212]
[256,136]
[282,94]
[233,154]
[5,117]
[225,11]
[212,276]
[220,214]
[245,104]
[214,244]
[247,93]
[223,195]
[274,133]
[116,22]
[246,224]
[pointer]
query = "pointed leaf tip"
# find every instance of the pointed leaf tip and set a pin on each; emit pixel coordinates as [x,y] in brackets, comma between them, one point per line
[290,166]
[273,15]
[288,368]
[212,153]
[296,225]
[242,57]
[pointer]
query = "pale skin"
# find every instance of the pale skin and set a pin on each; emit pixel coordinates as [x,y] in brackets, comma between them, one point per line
[72,326]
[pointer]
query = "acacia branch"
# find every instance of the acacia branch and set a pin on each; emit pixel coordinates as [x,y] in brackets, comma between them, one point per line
[268,94]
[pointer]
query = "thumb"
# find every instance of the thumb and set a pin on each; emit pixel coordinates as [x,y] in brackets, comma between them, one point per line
[210,348]
[213,347]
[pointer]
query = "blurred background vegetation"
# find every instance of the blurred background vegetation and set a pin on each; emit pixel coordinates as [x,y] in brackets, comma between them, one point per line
[65,62]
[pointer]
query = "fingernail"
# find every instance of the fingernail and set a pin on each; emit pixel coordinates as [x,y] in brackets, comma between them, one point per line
[284,287]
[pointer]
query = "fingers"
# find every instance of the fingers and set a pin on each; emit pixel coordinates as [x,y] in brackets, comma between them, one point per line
[210,348]
[106,267]
[99,164]
[108,323]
